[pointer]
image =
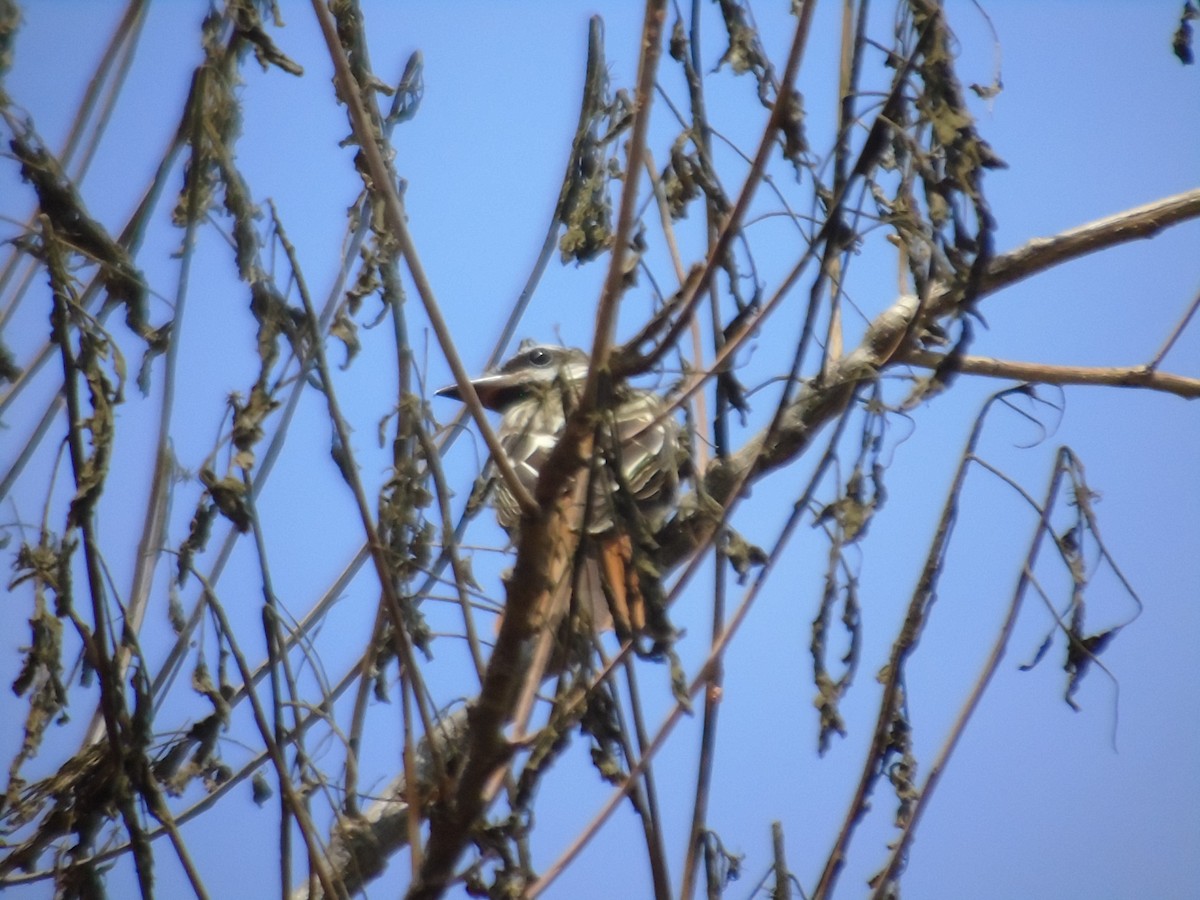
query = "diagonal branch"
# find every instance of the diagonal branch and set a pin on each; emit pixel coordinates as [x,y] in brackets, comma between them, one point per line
[1040,254]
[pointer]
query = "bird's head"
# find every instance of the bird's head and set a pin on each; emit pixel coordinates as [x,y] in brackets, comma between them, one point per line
[533,368]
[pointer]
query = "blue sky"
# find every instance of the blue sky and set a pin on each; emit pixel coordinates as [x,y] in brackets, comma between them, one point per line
[1096,116]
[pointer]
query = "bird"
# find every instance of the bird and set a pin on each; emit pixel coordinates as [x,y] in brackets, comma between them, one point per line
[631,488]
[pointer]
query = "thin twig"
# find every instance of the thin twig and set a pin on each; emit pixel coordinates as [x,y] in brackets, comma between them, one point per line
[397,222]
[884,880]
[1175,333]
[401,638]
[905,643]
[1045,373]
[733,221]
[614,281]
[316,853]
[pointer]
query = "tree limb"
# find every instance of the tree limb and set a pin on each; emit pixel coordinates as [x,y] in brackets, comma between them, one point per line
[1040,254]
[1114,376]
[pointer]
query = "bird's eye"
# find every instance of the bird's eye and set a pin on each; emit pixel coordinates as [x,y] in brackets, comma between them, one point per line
[539,356]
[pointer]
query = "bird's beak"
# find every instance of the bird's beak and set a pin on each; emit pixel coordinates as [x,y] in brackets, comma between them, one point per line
[495,391]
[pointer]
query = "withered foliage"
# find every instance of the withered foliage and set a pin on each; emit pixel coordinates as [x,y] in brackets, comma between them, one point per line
[295,694]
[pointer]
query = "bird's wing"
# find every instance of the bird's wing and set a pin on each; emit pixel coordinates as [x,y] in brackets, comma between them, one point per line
[643,448]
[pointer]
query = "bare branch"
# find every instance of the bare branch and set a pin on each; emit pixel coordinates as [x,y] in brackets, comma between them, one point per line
[1046,373]
[1041,254]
